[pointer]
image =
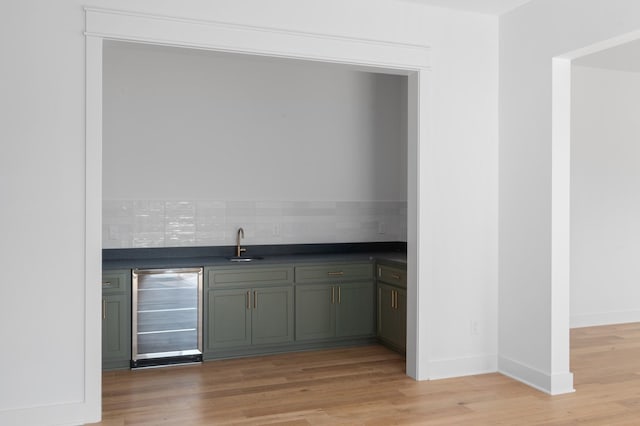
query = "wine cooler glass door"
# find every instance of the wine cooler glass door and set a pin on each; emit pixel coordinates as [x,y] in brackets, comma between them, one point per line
[167,317]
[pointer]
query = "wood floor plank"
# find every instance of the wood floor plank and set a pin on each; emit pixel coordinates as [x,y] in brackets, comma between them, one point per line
[367,386]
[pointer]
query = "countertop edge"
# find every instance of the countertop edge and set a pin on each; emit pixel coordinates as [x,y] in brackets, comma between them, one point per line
[196,259]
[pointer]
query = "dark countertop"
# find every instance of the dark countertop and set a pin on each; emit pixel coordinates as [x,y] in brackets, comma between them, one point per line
[182,257]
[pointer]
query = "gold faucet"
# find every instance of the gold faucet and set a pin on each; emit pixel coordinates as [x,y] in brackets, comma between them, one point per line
[239,250]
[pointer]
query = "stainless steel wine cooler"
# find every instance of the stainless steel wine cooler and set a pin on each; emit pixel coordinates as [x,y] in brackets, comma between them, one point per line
[167,316]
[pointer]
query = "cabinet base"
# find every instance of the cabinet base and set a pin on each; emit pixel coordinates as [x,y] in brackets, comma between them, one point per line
[284,348]
[390,345]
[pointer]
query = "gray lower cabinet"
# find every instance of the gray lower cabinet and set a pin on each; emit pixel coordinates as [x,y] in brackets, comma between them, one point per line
[252,308]
[355,310]
[229,319]
[315,312]
[392,307]
[334,300]
[249,316]
[116,319]
[242,310]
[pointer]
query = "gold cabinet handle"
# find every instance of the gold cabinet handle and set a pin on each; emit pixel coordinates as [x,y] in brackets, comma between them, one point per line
[335,274]
[395,299]
[392,299]
[339,296]
[104,309]
[255,300]
[395,276]
[333,295]
[248,300]
[106,284]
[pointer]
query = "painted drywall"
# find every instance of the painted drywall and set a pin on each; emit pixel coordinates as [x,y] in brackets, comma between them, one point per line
[42,190]
[293,151]
[192,124]
[531,316]
[605,159]
[43,170]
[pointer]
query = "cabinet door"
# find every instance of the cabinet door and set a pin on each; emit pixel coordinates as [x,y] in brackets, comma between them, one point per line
[116,282]
[228,318]
[272,315]
[401,311]
[355,309]
[385,312]
[315,317]
[390,327]
[116,329]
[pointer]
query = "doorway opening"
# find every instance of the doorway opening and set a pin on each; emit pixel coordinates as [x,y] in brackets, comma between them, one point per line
[590,226]
[409,60]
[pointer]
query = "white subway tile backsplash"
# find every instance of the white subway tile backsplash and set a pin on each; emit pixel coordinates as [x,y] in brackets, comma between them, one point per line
[211,238]
[149,239]
[160,223]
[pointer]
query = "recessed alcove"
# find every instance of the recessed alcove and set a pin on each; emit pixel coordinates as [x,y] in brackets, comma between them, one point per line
[409,60]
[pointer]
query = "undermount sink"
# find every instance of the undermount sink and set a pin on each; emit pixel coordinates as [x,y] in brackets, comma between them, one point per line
[243,258]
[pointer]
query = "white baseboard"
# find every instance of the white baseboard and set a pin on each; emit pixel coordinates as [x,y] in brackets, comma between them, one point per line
[552,384]
[604,318]
[467,366]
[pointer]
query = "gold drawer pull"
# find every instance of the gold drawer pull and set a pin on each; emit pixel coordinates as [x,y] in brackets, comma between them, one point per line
[395,276]
[104,309]
[339,297]
[333,295]
[255,300]
[106,284]
[335,274]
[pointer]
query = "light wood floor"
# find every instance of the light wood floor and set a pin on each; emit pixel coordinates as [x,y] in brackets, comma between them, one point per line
[367,385]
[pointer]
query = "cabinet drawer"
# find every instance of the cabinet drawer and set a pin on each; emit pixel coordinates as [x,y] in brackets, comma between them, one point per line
[115,282]
[228,277]
[334,272]
[391,275]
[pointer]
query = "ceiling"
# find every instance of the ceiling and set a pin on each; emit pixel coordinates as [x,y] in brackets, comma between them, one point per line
[625,57]
[489,7]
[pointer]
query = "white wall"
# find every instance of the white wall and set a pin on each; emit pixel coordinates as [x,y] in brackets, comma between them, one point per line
[43,166]
[293,151]
[529,38]
[42,213]
[605,183]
